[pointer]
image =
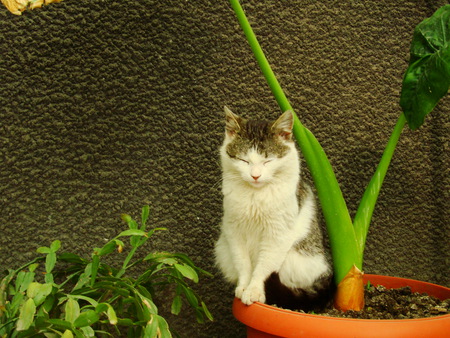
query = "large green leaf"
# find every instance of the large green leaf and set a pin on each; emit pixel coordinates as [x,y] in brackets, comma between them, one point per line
[26,315]
[72,310]
[427,78]
[132,232]
[50,262]
[55,246]
[164,331]
[187,272]
[39,292]
[86,318]
[176,305]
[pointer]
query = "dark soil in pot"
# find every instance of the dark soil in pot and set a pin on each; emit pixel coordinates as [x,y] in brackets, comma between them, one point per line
[401,303]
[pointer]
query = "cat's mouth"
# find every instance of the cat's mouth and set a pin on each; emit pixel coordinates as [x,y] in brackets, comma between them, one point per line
[256,183]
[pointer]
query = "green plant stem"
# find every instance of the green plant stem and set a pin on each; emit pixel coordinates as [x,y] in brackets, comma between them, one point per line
[261,58]
[345,251]
[127,260]
[363,216]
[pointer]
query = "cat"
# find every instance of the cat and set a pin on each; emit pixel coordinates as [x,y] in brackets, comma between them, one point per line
[270,245]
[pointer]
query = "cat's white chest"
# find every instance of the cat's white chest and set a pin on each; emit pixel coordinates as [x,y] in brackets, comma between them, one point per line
[262,212]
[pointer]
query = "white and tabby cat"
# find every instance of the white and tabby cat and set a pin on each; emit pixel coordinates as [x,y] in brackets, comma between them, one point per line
[270,244]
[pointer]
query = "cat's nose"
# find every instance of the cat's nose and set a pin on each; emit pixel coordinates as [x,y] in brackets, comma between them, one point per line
[256,177]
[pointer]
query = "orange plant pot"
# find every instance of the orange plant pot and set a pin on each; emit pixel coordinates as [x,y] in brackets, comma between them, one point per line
[264,321]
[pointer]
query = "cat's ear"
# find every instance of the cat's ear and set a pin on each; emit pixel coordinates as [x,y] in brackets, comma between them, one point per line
[232,126]
[283,126]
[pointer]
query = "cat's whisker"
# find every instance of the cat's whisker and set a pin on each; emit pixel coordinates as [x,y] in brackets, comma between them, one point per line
[217,184]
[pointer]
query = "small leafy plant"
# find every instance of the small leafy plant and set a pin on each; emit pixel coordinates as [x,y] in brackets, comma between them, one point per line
[65,295]
[425,82]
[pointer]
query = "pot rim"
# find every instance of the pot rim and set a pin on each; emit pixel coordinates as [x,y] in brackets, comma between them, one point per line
[374,280]
[282,322]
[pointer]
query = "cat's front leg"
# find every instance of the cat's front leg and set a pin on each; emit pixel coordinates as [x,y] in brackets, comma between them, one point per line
[244,270]
[270,258]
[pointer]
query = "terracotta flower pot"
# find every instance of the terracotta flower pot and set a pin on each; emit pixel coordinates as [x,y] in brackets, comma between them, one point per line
[266,321]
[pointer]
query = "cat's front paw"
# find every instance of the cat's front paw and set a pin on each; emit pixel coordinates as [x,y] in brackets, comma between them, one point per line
[253,294]
[239,291]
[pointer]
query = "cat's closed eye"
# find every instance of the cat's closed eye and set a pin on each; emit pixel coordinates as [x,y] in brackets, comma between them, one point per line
[240,159]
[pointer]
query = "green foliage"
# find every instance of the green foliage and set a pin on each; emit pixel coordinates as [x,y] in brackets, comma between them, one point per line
[65,295]
[427,78]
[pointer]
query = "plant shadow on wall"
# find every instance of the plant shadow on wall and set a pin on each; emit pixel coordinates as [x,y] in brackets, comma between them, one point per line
[63,294]
[425,82]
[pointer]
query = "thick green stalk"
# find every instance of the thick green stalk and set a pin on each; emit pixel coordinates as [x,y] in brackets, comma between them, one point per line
[361,222]
[261,58]
[342,236]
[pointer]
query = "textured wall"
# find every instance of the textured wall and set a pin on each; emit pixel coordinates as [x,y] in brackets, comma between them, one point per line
[109,105]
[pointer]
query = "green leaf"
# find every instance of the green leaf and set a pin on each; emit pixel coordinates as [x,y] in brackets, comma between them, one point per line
[431,34]
[43,250]
[33,289]
[23,280]
[187,272]
[55,246]
[33,267]
[161,257]
[206,311]
[86,318]
[39,292]
[90,300]
[60,324]
[136,241]
[84,278]
[199,315]
[427,78]
[112,316]
[148,306]
[26,315]
[15,304]
[176,305]
[101,307]
[144,291]
[87,332]
[144,217]
[132,232]
[190,296]
[71,258]
[47,306]
[67,334]
[50,262]
[163,328]
[126,218]
[107,248]
[49,278]
[125,322]
[72,310]
[151,328]
[95,265]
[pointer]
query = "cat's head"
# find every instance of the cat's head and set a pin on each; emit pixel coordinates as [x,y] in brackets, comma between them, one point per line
[259,152]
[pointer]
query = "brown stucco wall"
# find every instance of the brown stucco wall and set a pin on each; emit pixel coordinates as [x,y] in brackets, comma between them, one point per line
[109,105]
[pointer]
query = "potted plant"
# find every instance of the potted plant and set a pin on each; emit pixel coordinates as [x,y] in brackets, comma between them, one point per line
[66,295]
[426,80]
